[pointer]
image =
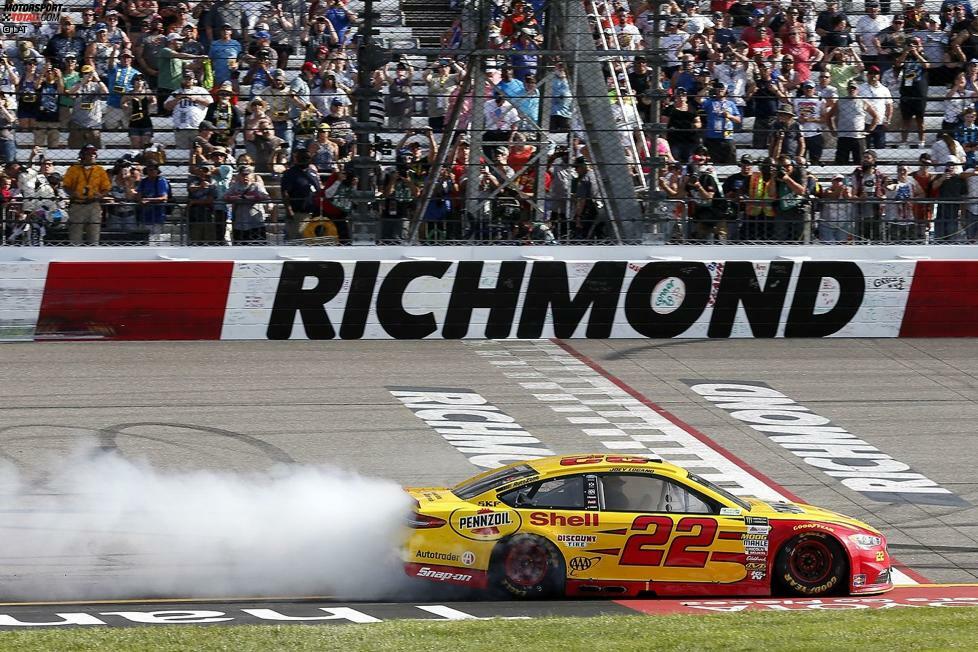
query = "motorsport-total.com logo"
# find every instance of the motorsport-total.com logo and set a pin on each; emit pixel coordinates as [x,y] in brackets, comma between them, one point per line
[16,16]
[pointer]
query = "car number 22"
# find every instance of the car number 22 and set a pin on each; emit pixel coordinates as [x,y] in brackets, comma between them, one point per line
[691,532]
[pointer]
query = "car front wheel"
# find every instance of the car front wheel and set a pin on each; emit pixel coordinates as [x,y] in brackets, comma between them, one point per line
[812,564]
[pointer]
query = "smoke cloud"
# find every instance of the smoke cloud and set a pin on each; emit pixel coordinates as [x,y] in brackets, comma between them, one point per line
[105,527]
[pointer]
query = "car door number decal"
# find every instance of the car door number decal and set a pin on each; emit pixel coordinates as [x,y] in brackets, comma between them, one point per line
[691,531]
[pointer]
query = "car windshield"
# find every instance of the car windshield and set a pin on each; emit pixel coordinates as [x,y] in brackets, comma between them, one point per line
[740,502]
[471,488]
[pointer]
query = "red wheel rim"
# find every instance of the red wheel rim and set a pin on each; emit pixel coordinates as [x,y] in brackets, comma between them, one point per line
[526,564]
[811,561]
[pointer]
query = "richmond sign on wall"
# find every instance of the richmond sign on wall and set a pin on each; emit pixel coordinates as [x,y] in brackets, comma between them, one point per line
[370,299]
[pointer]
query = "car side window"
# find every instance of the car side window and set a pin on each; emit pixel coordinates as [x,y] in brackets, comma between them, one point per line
[557,493]
[646,493]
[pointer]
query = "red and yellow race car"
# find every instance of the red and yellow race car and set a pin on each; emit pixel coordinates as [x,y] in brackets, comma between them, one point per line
[626,525]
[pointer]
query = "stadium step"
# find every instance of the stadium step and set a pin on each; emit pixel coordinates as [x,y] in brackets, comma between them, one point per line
[428,20]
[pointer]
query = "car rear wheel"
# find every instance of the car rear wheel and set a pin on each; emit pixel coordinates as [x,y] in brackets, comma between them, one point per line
[527,566]
[812,564]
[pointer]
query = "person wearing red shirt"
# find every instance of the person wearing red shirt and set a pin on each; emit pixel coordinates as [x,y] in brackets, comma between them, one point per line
[805,54]
[753,33]
[513,22]
[764,45]
[519,151]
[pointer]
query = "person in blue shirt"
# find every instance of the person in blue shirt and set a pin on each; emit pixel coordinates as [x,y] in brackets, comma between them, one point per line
[561,106]
[119,82]
[948,4]
[523,63]
[721,116]
[224,53]
[154,193]
[508,84]
[967,135]
[341,18]
[528,103]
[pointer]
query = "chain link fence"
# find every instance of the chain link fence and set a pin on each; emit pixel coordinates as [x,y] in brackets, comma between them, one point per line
[488,121]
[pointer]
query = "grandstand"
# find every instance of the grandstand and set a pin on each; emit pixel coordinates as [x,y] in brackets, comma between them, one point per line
[596,154]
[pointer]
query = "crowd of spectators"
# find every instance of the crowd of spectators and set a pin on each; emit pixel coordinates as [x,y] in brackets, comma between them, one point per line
[811,80]
[779,120]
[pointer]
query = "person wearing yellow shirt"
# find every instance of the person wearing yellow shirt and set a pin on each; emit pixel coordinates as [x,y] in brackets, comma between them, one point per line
[87,184]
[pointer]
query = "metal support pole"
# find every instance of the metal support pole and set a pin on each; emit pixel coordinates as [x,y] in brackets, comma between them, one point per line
[658,223]
[363,224]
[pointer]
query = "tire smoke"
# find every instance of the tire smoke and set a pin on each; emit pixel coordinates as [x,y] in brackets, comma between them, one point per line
[105,527]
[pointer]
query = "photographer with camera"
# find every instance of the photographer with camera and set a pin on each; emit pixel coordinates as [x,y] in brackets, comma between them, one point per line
[951,189]
[736,191]
[868,183]
[700,186]
[791,188]
[765,94]
[911,68]
[259,75]
[120,215]
[84,127]
[762,192]
[138,106]
[300,183]
[786,136]
[400,105]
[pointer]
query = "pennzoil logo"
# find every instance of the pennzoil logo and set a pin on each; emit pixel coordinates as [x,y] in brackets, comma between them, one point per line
[15,16]
[485,524]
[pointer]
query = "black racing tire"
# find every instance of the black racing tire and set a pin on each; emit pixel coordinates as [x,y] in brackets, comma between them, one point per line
[811,565]
[527,567]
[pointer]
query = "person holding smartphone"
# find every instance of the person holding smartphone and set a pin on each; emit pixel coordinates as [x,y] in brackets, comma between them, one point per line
[85,124]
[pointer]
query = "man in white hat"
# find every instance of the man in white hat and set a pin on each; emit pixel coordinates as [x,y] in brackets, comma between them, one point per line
[171,67]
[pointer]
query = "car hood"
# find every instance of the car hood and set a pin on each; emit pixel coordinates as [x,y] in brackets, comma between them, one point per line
[788,511]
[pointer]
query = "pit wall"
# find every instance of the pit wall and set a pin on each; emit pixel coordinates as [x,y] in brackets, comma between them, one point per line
[451,299]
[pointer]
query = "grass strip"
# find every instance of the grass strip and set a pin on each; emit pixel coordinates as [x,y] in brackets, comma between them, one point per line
[911,629]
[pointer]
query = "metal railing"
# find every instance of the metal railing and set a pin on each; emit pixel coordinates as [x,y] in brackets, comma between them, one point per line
[789,220]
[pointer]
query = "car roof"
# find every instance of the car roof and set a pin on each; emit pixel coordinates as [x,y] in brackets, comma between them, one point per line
[603,463]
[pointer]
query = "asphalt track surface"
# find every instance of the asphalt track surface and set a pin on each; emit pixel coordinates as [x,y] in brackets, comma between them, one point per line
[251,405]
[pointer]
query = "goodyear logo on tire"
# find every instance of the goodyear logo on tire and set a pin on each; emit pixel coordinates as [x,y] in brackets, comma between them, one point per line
[485,524]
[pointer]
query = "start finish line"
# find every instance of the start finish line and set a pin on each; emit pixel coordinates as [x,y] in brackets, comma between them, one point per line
[920,595]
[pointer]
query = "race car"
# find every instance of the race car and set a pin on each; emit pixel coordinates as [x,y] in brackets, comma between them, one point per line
[629,526]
